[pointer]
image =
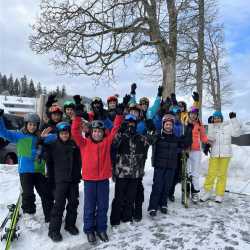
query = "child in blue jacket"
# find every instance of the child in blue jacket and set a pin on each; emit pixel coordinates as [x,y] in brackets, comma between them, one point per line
[31,169]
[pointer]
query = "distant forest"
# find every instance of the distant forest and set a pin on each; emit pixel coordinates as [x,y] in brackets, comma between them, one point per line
[26,87]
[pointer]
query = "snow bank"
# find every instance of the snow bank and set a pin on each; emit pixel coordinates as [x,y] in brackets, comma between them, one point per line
[204,226]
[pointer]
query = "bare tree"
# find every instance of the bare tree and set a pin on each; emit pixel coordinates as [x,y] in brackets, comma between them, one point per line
[218,85]
[92,37]
[201,61]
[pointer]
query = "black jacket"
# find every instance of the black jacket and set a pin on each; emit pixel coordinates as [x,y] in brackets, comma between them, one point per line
[165,150]
[130,156]
[63,161]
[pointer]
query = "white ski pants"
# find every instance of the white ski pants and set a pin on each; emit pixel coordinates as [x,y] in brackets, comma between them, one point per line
[193,164]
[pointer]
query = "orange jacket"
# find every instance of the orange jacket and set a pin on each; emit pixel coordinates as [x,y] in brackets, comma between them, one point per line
[199,135]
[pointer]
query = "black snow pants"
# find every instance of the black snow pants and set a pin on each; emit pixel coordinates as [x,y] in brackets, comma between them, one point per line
[63,191]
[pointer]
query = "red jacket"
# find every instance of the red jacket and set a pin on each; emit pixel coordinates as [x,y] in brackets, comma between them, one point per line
[199,135]
[96,161]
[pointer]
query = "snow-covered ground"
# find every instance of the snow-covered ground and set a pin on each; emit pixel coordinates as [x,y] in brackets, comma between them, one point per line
[203,226]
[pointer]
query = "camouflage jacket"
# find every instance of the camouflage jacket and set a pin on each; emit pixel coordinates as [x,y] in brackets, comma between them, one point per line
[131,155]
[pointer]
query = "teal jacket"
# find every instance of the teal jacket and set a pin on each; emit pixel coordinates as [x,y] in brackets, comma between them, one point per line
[26,149]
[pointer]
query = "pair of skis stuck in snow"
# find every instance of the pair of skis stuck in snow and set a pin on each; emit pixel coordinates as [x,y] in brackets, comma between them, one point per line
[11,231]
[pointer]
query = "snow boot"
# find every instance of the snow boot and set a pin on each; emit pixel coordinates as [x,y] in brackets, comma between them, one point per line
[152,213]
[73,230]
[91,238]
[137,213]
[171,198]
[164,210]
[206,196]
[55,236]
[103,236]
[195,198]
[218,199]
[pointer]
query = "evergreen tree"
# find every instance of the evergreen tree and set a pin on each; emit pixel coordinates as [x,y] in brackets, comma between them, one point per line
[16,89]
[44,91]
[39,90]
[24,86]
[4,83]
[58,92]
[1,86]
[10,84]
[63,92]
[31,89]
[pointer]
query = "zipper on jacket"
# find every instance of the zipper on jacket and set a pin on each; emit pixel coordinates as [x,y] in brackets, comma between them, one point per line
[98,152]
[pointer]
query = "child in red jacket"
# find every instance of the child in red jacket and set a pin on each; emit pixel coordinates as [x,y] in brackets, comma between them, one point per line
[96,171]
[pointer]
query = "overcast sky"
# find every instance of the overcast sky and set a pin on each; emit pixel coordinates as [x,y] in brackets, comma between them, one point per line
[16,57]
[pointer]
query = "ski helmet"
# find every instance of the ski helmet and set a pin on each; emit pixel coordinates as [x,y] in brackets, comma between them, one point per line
[183,105]
[144,100]
[63,126]
[130,118]
[175,110]
[112,99]
[32,117]
[55,109]
[218,114]
[168,117]
[134,106]
[97,124]
[96,100]
[68,104]
[194,110]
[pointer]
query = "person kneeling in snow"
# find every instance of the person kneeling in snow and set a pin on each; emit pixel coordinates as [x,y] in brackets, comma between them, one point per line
[64,157]
[220,133]
[96,171]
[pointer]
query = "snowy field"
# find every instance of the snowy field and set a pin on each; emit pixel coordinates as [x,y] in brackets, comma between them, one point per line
[204,226]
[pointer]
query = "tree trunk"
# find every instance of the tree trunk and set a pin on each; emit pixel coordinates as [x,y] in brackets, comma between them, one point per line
[199,64]
[168,76]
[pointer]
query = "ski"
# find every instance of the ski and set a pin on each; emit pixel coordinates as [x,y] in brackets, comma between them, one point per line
[11,232]
[238,193]
[8,216]
[185,182]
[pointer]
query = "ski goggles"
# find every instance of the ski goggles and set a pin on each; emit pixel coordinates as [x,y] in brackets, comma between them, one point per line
[97,124]
[130,118]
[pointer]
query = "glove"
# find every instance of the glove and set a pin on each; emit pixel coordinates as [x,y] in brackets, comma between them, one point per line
[168,102]
[206,149]
[77,99]
[1,112]
[79,110]
[150,125]
[196,96]
[160,90]
[210,119]
[120,109]
[126,100]
[133,88]
[51,99]
[232,115]
[173,99]
[123,127]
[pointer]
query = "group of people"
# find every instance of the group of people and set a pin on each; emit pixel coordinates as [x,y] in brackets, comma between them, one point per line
[73,144]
